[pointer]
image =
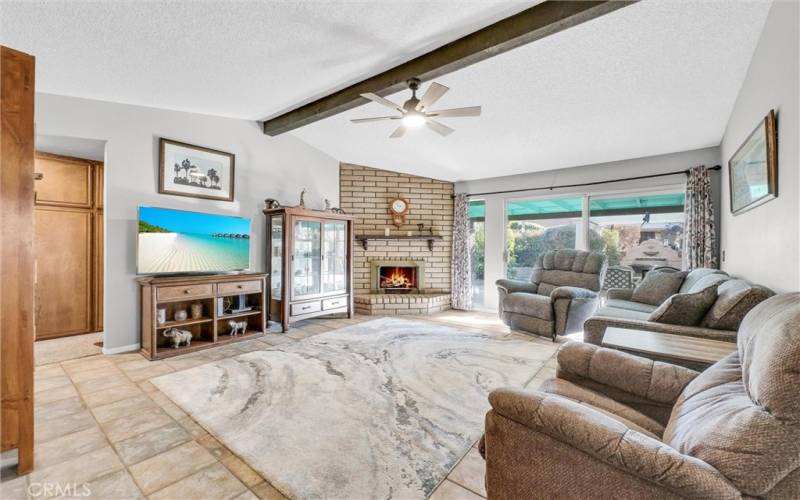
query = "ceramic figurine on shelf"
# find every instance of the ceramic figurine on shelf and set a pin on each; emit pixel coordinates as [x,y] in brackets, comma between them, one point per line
[181,315]
[237,327]
[302,199]
[178,337]
[272,203]
[328,205]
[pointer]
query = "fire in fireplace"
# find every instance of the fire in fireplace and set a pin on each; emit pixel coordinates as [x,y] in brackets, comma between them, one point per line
[397,278]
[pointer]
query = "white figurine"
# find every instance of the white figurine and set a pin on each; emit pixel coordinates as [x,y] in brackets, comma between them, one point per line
[302,199]
[237,327]
[178,337]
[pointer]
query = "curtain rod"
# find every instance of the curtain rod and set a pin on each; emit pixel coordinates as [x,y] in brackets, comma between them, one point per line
[550,188]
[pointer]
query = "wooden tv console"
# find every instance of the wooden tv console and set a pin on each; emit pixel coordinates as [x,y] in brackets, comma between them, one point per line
[211,329]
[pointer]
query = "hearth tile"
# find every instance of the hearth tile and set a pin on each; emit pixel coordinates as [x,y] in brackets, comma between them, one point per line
[470,472]
[212,482]
[68,447]
[246,495]
[85,364]
[137,423]
[171,466]
[81,469]
[106,396]
[119,486]
[148,444]
[63,426]
[449,490]
[241,470]
[122,408]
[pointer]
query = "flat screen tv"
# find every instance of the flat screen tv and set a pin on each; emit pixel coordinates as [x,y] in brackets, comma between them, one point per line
[176,241]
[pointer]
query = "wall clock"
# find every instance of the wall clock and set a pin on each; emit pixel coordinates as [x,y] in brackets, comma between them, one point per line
[398,209]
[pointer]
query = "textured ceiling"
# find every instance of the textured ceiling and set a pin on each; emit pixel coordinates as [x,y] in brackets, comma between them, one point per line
[244,59]
[652,78]
[656,77]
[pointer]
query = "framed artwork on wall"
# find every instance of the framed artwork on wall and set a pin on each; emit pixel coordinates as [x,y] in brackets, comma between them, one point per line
[753,168]
[195,171]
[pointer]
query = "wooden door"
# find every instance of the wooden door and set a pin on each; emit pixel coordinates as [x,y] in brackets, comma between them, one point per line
[69,246]
[16,254]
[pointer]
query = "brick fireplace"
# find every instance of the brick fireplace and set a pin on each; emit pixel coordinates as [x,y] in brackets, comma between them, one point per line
[398,276]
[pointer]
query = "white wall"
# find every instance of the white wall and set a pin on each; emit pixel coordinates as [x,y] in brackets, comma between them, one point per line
[763,244]
[274,167]
[495,203]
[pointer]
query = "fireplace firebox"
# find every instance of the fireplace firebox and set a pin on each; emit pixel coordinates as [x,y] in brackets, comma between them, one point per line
[397,276]
[397,279]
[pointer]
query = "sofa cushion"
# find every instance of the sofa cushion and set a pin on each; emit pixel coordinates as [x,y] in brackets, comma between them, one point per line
[735,298]
[657,286]
[742,415]
[685,308]
[705,282]
[620,412]
[529,304]
[698,274]
[613,312]
[630,305]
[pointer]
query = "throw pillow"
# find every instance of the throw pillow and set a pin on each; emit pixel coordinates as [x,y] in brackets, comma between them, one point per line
[685,308]
[736,298]
[657,286]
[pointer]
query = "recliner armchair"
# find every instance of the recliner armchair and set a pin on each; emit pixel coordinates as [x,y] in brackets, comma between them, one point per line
[614,425]
[562,293]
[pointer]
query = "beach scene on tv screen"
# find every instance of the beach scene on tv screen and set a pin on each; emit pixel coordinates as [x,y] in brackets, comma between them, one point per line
[175,241]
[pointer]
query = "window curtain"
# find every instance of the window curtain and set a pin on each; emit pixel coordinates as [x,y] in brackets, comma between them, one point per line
[461,270]
[699,240]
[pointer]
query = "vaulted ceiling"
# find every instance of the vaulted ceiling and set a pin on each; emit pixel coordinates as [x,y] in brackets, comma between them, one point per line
[652,78]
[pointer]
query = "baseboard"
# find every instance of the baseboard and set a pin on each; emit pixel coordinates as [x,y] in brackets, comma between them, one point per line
[124,348]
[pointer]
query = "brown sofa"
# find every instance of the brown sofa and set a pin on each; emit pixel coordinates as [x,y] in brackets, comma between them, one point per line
[613,425]
[735,298]
[562,293]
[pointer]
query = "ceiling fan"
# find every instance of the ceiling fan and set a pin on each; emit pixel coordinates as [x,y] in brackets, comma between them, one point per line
[416,112]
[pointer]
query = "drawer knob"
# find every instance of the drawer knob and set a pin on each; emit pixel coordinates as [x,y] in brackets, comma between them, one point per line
[239,287]
[306,307]
[186,291]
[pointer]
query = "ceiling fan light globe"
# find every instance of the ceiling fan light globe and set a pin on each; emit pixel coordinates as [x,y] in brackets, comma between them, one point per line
[413,120]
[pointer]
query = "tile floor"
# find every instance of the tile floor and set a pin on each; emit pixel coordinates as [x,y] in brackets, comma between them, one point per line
[101,423]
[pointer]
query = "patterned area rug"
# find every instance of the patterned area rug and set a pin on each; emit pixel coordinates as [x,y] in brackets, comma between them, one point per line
[382,409]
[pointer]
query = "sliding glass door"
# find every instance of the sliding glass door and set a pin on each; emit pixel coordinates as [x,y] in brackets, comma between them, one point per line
[535,226]
[638,231]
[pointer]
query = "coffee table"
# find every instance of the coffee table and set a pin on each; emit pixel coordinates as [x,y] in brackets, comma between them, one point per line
[691,352]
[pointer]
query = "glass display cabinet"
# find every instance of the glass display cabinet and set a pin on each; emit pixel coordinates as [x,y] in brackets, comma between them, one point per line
[309,264]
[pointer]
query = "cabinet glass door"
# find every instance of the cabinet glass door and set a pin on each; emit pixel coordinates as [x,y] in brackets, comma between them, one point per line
[307,258]
[334,263]
[276,256]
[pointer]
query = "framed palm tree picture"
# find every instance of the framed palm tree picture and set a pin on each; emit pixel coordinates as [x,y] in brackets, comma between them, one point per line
[195,171]
[753,168]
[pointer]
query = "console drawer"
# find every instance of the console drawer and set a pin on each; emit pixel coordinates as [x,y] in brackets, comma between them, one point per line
[238,287]
[184,292]
[334,303]
[306,307]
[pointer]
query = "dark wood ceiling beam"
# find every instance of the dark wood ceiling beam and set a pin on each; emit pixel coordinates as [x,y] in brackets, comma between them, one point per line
[525,27]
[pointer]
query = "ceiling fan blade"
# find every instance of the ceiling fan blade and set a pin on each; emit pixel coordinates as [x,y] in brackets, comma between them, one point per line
[398,132]
[380,100]
[439,128]
[456,112]
[376,119]
[434,93]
